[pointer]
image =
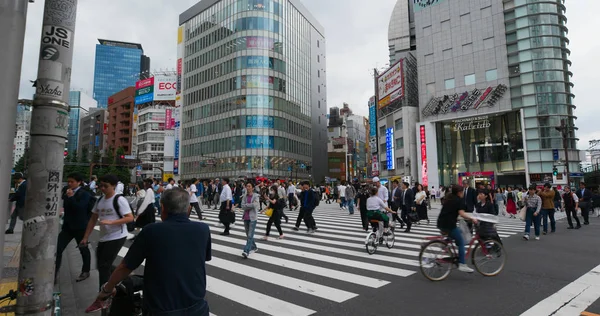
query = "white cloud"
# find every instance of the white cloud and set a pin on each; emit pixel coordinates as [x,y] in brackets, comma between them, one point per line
[356,33]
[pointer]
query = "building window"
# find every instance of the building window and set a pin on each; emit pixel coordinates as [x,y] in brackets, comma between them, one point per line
[430,88]
[319,73]
[399,143]
[319,89]
[318,43]
[469,79]
[399,162]
[491,74]
[318,58]
[382,131]
[449,84]
[319,103]
[398,124]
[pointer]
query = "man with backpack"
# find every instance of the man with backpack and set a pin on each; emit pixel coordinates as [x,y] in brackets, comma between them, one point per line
[78,204]
[112,212]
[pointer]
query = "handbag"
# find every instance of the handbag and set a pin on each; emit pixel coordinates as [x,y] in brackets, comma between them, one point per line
[523,213]
[338,201]
[269,212]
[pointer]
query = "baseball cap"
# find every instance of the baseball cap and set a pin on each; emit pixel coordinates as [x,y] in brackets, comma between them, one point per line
[376,179]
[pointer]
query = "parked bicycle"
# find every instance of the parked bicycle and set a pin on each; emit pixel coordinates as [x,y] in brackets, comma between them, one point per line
[378,236]
[439,254]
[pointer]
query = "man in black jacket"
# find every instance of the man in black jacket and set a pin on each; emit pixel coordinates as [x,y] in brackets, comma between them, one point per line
[308,203]
[78,204]
[407,201]
[585,201]
[18,197]
[470,196]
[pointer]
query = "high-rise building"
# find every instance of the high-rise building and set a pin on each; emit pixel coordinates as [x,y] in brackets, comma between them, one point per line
[253,90]
[118,66]
[151,139]
[401,31]
[21,142]
[494,83]
[120,121]
[93,133]
[79,106]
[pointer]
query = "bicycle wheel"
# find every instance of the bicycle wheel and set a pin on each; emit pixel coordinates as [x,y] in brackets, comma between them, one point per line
[436,260]
[390,239]
[371,243]
[489,258]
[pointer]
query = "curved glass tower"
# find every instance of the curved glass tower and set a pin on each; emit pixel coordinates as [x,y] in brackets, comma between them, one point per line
[253,87]
[540,79]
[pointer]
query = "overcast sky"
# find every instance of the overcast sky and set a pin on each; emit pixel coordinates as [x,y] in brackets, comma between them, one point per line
[356,33]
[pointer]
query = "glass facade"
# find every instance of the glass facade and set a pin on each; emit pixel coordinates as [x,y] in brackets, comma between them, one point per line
[247,90]
[116,68]
[536,36]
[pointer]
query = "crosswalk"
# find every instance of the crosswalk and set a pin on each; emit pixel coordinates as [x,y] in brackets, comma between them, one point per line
[301,274]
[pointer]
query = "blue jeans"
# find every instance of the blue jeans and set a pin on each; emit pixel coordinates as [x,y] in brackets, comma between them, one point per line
[342,201]
[535,219]
[545,214]
[350,203]
[250,227]
[456,234]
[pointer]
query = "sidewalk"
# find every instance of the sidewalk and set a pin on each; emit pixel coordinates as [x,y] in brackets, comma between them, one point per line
[12,256]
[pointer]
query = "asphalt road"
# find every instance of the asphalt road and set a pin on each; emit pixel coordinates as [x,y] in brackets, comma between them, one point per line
[330,273]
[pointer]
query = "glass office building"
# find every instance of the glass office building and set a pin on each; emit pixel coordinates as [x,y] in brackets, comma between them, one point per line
[253,87]
[118,66]
[79,106]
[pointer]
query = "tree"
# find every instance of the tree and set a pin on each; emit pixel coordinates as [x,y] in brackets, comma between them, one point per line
[21,163]
[110,155]
[84,155]
[97,156]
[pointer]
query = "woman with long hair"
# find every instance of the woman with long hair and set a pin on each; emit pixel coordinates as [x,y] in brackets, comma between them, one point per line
[421,202]
[277,204]
[454,206]
[511,202]
[500,202]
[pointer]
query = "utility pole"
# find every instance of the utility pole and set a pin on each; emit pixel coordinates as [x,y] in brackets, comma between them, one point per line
[13,16]
[49,122]
[564,130]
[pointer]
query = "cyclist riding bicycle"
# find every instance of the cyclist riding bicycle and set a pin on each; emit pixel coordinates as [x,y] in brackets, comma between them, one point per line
[454,205]
[375,205]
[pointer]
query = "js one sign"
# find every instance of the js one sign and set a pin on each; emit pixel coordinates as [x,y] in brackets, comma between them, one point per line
[165,88]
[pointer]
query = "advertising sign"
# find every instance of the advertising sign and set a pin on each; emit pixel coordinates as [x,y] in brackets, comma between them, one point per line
[260,42]
[372,117]
[259,121]
[165,88]
[423,139]
[471,123]
[424,4]
[105,129]
[145,90]
[389,149]
[260,142]
[144,98]
[179,73]
[177,118]
[463,101]
[259,62]
[144,83]
[375,166]
[169,119]
[390,85]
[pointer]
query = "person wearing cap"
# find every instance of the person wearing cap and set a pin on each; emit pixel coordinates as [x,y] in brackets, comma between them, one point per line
[547,196]
[19,198]
[534,205]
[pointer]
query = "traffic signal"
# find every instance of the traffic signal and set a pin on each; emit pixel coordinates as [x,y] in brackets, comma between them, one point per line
[66,153]
[554,171]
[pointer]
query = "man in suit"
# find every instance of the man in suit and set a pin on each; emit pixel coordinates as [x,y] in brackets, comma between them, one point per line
[408,204]
[19,198]
[585,201]
[470,200]
[396,201]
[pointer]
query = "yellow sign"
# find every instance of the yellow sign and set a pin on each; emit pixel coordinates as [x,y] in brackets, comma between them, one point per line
[166,176]
[180,35]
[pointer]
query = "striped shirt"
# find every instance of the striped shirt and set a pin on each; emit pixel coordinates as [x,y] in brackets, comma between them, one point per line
[533,202]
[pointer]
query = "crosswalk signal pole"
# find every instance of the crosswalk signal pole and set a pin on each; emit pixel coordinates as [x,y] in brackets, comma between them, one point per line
[564,130]
[49,124]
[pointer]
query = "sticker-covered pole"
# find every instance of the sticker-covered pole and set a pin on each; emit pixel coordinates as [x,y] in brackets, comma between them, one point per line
[13,15]
[49,123]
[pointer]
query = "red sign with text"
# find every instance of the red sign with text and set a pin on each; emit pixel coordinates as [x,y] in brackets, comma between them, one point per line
[144,83]
[424,179]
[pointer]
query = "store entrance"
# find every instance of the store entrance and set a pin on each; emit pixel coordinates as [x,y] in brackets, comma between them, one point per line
[476,179]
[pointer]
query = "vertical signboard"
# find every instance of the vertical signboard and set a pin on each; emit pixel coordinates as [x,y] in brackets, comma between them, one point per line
[423,139]
[176,113]
[169,119]
[375,166]
[389,149]
[177,116]
[373,125]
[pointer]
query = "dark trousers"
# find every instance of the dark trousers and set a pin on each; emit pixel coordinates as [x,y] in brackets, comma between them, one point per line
[545,214]
[223,217]
[196,207]
[404,216]
[106,253]
[574,213]
[300,217]
[291,200]
[363,218]
[309,220]
[64,238]
[585,211]
[274,219]
[17,213]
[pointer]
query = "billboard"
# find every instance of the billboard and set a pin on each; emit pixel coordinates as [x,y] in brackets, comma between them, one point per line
[169,119]
[144,83]
[425,179]
[165,87]
[178,99]
[145,98]
[260,121]
[389,149]
[375,166]
[177,127]
[260,142]
[390,85]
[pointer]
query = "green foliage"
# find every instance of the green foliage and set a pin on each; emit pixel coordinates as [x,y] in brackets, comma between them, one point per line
[84,155]
[20,165]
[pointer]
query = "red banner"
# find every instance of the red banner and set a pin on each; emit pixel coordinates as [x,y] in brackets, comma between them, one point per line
[144,83]
[424,176]
[169,119]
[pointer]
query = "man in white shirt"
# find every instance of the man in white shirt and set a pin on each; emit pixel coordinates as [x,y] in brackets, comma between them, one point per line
[171,184]
[342,193]
[120,188]
[382,191]
[226,214]
[93,186]
[194,198]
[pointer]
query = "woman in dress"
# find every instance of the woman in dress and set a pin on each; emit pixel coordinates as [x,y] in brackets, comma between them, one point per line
[421,202]
[511,202]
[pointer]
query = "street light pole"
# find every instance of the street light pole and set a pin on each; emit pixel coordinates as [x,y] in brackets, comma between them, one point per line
[564,130]
[13,16]
[49,122]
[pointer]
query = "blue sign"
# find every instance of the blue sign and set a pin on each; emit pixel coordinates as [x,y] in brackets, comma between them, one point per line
[389,148]
[576,175]
[259,121]
[177,149]
[555,154]
[373,121]
[139,168]
[144,98]
[303,166]
[259,62]
[97,141]
[12,172]
[260,142]
[290,168]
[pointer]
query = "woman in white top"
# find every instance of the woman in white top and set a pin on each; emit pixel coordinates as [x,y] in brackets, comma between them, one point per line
[420,201]
[375,207]
[194,202]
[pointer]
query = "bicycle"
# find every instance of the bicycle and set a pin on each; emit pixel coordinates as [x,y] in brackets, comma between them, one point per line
[376,237]
[440,253]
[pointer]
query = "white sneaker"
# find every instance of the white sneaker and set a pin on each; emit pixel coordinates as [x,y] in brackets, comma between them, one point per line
[245,255]
[463,267]
[130,236]
[537,238]
[526,237]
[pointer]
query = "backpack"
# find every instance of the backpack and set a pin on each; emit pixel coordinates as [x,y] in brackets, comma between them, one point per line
[92,201]
[317,198]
